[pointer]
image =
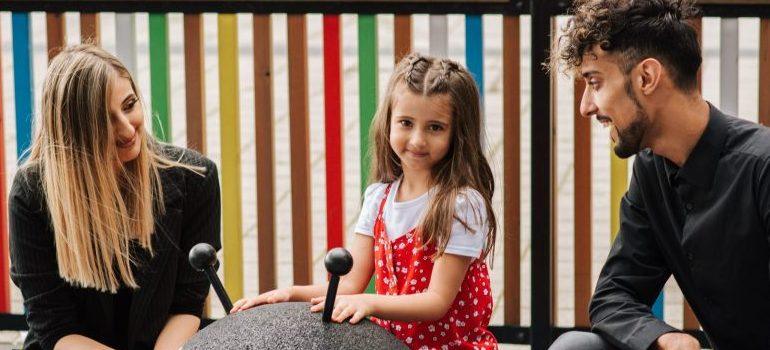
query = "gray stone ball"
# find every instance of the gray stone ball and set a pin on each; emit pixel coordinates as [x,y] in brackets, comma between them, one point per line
[290,326]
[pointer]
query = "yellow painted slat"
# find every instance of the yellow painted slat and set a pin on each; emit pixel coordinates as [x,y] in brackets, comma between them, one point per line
[231,154]
[618,187]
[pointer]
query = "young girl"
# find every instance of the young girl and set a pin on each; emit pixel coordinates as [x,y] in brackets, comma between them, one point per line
[427,224]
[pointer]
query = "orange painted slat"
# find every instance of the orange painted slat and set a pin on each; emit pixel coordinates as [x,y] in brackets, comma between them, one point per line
[55,33]
[511,171]
[195,101]
[299,125]
[89,28]
[402,36]
[582,207]
[263,102]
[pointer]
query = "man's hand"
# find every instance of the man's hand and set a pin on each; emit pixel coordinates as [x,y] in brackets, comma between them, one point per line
[677,341]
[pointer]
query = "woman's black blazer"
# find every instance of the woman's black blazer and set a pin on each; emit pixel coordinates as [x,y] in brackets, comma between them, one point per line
[167,283]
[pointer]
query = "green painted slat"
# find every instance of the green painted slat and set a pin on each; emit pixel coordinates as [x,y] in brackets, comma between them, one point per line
[367,86]
[367,83]
[159,76]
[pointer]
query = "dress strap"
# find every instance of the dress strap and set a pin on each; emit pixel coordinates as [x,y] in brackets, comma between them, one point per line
[384,199]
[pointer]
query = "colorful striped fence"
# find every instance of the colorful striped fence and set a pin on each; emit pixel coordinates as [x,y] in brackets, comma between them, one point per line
[544,300]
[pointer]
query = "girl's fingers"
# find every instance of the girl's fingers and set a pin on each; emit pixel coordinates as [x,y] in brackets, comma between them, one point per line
[237,305]
[356,317]
[349,310]
[317,307]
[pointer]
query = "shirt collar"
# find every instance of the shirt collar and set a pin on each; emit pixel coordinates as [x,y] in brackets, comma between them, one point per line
[701,164]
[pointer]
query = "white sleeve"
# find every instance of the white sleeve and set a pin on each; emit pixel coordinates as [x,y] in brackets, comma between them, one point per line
[470,207]
[369,208]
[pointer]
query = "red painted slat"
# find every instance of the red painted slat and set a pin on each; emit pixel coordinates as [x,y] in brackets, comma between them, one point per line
[334,131]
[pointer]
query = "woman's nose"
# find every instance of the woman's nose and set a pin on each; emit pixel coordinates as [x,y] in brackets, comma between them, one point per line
[123,127]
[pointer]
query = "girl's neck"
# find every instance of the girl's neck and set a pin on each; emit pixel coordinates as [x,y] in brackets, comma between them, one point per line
[413,184]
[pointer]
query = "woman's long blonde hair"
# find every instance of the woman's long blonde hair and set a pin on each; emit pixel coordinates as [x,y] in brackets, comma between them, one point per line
[465,165]
[97,204]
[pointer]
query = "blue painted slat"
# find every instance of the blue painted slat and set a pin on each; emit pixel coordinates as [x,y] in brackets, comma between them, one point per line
[22,81]
[474,49]
[657,308]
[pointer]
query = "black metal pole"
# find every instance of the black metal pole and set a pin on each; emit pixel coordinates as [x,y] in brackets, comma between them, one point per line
[542,174]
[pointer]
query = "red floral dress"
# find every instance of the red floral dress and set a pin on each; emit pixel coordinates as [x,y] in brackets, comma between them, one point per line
[404,266]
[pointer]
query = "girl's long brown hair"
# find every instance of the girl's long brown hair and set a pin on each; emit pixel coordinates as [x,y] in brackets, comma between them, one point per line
[465,165]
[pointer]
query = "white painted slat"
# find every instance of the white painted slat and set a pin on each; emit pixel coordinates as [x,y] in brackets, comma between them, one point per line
[439,40]
[728,66]
[125,40]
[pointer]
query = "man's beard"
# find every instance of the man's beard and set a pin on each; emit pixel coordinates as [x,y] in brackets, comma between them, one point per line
[629,140]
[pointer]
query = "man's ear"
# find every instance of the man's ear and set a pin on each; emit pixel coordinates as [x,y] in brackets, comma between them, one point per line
[650,74]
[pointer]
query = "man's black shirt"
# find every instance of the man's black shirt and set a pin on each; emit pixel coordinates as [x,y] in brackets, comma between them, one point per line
[707,224]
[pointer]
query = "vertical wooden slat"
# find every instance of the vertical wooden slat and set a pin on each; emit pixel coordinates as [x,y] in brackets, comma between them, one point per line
[195,101]
[159,76]
[299,124]
[764,71]
[230,132]
[689,321]
[582,208]
[402,36]
[125,40]
[474,49]
[22,78]
[367,85]
[55,33]
[5,295]
[728,66]
[334,128]
[439,41]
[511,170]
[263,122]
[89,28]
[554,189]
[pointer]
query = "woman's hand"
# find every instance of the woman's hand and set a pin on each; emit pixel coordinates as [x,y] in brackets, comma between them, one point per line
[355,306]
[271,297]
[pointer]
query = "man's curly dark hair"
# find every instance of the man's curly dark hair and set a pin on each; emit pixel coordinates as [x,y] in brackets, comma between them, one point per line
[633,30]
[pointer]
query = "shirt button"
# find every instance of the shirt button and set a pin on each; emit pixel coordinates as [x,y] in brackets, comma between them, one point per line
[688,206]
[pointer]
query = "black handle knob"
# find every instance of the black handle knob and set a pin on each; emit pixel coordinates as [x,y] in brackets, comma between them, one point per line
[203,257]
[338,262]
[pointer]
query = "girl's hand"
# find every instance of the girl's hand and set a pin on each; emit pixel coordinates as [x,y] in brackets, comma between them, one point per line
[271,297]
[358,306]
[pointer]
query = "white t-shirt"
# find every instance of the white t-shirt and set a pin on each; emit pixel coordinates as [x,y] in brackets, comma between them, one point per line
[401,217]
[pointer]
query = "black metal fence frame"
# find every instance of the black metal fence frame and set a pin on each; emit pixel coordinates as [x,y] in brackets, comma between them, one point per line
[542,331]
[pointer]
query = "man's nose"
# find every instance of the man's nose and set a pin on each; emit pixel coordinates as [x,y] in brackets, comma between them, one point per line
[587,106]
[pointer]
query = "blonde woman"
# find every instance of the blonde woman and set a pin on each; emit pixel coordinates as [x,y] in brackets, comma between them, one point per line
[102,217]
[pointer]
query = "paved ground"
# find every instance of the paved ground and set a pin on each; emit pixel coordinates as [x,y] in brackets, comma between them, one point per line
[493,110]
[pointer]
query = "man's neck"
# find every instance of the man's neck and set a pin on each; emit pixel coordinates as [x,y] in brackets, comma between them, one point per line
[679,122]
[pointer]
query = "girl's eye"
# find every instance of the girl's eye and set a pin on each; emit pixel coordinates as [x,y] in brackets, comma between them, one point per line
[435,127]
[405,123]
